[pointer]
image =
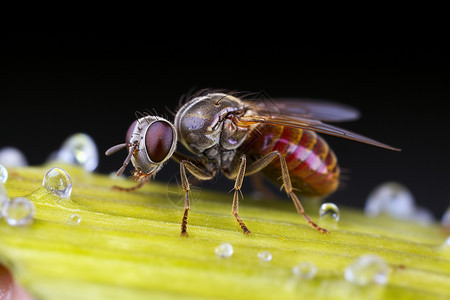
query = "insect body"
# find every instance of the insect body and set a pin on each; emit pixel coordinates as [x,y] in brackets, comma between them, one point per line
[239,137]
[312,165]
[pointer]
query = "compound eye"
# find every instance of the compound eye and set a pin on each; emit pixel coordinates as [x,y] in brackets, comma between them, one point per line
[130,132]
[159,140]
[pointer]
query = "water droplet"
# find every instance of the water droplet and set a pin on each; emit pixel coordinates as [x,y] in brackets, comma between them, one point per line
[395,200]
[3,197]
[12,157]
[3,174]
[446,219]
[391,198]
[447,242]
[423,215]
[74,219]
[58,182]
[444,247]
[265,256]
[305,270]
[224,250]
[79,149]
[368,269]
[329,210]
[18,212]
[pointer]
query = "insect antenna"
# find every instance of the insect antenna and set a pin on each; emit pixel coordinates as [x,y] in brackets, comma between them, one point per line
[115,148]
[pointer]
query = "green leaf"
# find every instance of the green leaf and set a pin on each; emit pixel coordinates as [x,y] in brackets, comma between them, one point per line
[128,246]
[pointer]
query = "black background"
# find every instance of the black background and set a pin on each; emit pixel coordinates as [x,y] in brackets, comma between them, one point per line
[53,85]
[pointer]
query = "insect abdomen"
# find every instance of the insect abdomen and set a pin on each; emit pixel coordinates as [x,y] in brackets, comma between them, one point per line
[312,164]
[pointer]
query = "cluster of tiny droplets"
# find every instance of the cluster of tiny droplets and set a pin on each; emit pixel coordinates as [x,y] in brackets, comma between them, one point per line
[20,211]
[17,211]
[78,149]
[367,269]
[58,182]
[225,250]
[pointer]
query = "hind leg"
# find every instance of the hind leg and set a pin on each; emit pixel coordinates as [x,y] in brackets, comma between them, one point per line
[287,185]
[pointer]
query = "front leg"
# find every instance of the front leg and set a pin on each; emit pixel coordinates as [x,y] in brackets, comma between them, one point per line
[200,172]
[142,180]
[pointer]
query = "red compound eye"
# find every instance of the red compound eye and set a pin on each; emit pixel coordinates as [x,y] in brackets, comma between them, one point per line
[159,140]
[130,132]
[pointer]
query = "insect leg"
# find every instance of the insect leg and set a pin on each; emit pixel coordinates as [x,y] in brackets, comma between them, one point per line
[237,190]
[287,185]
[141,183]
[201,173]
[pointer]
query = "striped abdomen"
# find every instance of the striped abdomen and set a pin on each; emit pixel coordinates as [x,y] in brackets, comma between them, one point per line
[312,164]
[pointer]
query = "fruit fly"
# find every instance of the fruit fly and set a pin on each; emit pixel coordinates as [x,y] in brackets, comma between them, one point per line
[241,137]
[151,141]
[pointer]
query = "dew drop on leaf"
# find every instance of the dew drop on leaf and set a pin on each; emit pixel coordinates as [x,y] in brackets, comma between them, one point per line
[18,212]
[3,197]
[265,256]
[328,210]
[368,269]
[447,242]
[79,149]
[74,219]
[58,182]
[396,200]
[391,198]
[305,270]
[12,157]
[3,174]
[446,219]
[224,250]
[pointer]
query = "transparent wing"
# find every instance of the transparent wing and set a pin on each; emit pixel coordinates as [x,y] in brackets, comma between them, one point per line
[310,124]
[322,110]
